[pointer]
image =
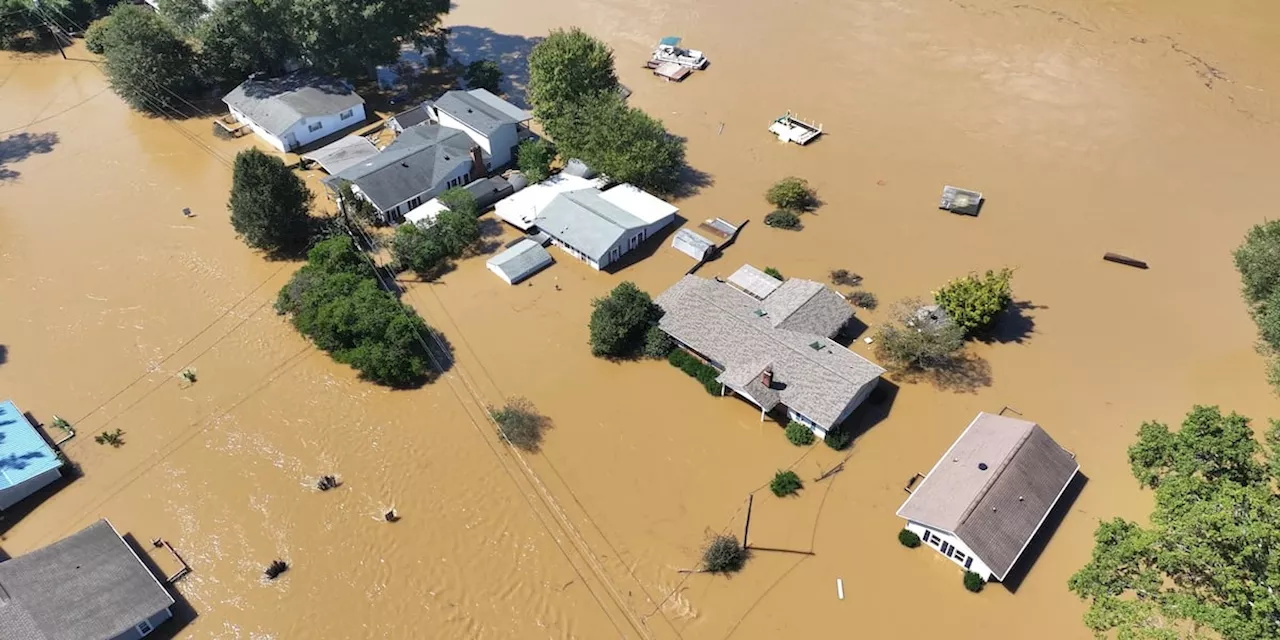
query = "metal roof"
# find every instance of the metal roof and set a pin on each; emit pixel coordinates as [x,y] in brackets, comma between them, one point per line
[993,488]
[23,452]
[670,41]
[754,281]
[88,586]
[691,244]
[481,110]
[525,258]
[587,222]
[276,104]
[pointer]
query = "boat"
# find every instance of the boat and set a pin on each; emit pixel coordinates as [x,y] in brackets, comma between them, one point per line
[669,50]
[963,201]
[790,128]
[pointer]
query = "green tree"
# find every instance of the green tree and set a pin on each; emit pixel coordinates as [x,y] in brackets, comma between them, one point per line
[520,423]
[908,539]
[460,201]
[1258,261]
[241,37]
[621,142]
[973,301]
[973,582]
[97,35]
[427,251]
[792,194]
[785,483]
[269,204]
[1210,558]
[619,321]
[185,15]
[913,341]
[483,74]
[657,344]
[148,65]
[351,37]
[770,271]
[566,67]
[355,207]
[782,219]
[419,250]
[534,159]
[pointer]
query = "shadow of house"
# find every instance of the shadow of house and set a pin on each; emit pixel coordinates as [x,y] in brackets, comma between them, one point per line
[183,613]
[4,354]
[1051,523]
[468,44]
[872,412]
[19,147]
[1014,324]
[647,248]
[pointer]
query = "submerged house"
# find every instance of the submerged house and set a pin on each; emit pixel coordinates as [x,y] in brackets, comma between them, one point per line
[522,208]
[599,227]
[772,344]
[986,498]
[491,122]
[521,260]
[297,109]
[27,462]
[89,586]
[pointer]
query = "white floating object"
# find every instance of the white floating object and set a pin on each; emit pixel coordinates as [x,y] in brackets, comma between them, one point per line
[840,588]
[867,340]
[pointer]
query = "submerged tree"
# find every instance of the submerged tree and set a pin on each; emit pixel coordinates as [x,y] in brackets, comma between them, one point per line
[565,68]
[723,554]
[520,423]
[1258,261]
[147,63]
[351,37]
[1210,558]
[974,301]
[916,338]
[269,203]
[619,321]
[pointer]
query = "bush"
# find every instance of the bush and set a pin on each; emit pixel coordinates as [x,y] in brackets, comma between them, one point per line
[785,483]
[908,344]
[697,369]
[782,219]
[97,36]
[846,278]
[973,581]
[838,438]
[483,74]
[791,194]
[534,159]
[798,434]
[863,299]
[973,302]
[619,321]
[113,438]
[723,554]
[428,251]
[520,423]
[908,539]
[770,271]
[657,344]
[269,203]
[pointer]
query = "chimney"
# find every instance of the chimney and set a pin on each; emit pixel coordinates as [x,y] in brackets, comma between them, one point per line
[478,170]
[766,377]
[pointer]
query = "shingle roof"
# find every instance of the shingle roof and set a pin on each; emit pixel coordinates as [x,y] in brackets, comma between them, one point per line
[342,153]
[414,162]
[587,222]
[89,586]
[754,281]
[808,307]
[995,510]
[480,110]
[276,104]
[412,117]
[811,373]
[23,452]
[522,260]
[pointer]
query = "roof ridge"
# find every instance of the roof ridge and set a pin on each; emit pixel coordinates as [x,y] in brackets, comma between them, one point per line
[804,302]
[995,477]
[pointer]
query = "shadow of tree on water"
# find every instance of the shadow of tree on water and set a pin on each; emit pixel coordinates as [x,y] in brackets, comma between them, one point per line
[19,147]
[468,44]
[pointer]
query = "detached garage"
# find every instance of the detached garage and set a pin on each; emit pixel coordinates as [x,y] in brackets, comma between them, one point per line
[521,260]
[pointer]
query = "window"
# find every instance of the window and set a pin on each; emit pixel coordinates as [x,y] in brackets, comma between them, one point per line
[958,555]
[315,126]
[143,628]
[346,115]
[415,202]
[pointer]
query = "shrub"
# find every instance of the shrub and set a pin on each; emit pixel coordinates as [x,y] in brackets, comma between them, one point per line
[838,438]
[723,554]
[792,194]
[770,271]
[973,302]
[113,438]
[269,203]
[428,251]
[863,299]
[973,581]
[97,35]
[798,434]
[520,423]
[619,321]
[908,539]
[907,343]
[697,369]
[785,483]
[534,159]
[782,219]
[846,278]
[483,74]
[657,344]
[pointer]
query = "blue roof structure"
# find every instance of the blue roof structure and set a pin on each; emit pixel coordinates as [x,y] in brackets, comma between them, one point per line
[23,453]
[670,41]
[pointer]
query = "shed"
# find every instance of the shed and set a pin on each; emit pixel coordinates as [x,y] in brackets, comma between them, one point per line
[523,259]
[754,282]
[27,462]
[691,244]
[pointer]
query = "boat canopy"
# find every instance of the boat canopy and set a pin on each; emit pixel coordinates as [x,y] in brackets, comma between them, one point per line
[670,41]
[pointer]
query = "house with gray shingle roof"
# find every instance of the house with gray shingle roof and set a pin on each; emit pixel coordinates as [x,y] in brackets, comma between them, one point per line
[986,498]
[491,122]
[89,586]
[775,352]
[297,109]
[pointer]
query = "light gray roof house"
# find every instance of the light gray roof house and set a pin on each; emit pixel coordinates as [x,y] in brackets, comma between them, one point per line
[523,259]
[89,586]
[276,104]
[788,335]
[587,222]
[994,488]
[416,161]
[480,110]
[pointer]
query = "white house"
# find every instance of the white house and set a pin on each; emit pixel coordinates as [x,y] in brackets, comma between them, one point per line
[599,227]
[522,208]
[490,121]
[297,109]
[27,462]
[522,259]
[986,498]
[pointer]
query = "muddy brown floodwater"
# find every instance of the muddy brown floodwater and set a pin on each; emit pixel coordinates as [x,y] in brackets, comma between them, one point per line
[1147,128]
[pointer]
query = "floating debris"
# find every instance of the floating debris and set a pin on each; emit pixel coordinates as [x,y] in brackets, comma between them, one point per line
[391,515]
[276,568]
[1125,260]
[327,482]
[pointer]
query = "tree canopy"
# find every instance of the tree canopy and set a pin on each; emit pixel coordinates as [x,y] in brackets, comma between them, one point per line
[619,321]
[534,159]
[909,341]
[973,302]
[269,203]
[185,15]
[352,36]
[566,67]
[427,251]
[240,37]
[792,194]
[1210,557]
[621,142]
[147,63]
[1258,261]
[483,74]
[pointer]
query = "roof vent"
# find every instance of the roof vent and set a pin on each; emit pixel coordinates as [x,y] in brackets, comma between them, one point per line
[404,164]
[1020,498]
[815,345]
[982,466]
[759,313]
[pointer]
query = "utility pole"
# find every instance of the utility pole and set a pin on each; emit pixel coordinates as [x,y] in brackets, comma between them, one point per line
[52,30]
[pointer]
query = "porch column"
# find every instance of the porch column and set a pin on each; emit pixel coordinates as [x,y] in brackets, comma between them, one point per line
[761,414]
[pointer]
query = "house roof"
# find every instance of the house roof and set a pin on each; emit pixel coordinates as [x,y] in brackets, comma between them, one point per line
[691,244]
[808,307]
[994,488]
[522,208]
[88,586]
[23,452]
[481,110]
[276,104]
[523,259]
[342,153]
[587,222]
[411,117]
[641,204]
[811,373]
[414,162]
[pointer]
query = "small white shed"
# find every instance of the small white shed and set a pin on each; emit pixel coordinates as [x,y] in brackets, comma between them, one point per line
[692,244]
[523,259]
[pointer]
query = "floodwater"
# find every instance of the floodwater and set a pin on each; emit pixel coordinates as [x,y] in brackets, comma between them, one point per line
[1146,128]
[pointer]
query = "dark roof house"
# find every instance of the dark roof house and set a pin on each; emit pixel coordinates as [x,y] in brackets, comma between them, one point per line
[993,489]
[419,161]
[480,110]
[89,586]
